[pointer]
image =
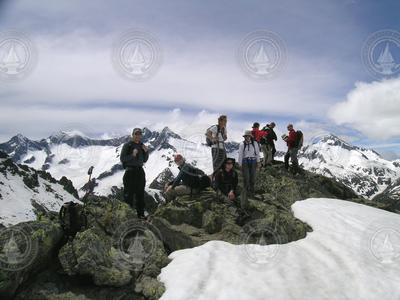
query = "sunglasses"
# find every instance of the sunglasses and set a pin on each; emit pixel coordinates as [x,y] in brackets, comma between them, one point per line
[138,133]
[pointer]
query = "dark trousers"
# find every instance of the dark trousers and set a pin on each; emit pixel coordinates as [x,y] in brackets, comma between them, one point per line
[218,157]
[292,154]
[249,171]
[273,152]
[134,183]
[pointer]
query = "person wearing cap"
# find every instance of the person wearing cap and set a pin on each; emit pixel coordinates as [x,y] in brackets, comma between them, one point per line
[292,149]
[133,155]
[181,185]
[268,144]
[257,133]
[218,135]
[249,157]
[226,180]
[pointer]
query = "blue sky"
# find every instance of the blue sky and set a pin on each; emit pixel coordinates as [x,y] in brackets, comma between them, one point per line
[324,86]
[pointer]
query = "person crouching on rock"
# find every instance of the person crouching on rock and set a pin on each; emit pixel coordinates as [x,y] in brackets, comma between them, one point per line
[226,180]
[183,183]
[249,157]
[133,155]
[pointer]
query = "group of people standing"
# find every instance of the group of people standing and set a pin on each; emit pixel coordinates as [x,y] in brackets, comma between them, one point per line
[224,178]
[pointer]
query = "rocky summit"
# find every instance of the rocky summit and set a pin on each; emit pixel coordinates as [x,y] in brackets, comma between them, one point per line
[117,256]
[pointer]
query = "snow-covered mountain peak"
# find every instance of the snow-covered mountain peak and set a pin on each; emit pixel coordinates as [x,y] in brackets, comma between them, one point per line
[364,170]
[72,138]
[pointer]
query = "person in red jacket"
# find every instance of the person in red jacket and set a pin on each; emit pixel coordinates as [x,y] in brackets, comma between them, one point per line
[257,133]
[291,141]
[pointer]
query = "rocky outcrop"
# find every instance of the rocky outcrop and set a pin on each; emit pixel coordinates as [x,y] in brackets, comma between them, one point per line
[28,248]
[119,257]
[163,178]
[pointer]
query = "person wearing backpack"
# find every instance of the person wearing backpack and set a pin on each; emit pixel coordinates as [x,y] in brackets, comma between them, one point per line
[249,156]
[257,133]
[268,144]
[189,180]
[133,155]
[226,180]
[294,142]
[216,136]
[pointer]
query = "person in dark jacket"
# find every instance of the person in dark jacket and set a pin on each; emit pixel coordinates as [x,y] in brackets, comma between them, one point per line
[182,185]
[292,149]
[133,155]
[226,180]
[268,144]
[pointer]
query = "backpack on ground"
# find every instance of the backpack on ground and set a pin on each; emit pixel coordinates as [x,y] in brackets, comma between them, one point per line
[72,218]
[198,179]
[299,139]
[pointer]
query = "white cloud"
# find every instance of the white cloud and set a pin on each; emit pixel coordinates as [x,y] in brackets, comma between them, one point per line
[372,108]
[76,68]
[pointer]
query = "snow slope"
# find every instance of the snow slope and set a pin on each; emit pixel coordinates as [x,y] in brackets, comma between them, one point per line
[23,189]
[352,253]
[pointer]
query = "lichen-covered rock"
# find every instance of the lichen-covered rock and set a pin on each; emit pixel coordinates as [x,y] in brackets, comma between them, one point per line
[90,254]
[212,222]
[102,251]
[150,287]
[34,249]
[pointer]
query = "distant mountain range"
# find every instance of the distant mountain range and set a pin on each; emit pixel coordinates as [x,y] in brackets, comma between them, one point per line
[70,154]
[363,170]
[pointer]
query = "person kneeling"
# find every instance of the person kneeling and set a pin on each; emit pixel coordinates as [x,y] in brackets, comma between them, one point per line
[190,180]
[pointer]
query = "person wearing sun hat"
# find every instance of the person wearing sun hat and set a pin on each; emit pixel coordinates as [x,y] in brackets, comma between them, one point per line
[249,157]
[133,156]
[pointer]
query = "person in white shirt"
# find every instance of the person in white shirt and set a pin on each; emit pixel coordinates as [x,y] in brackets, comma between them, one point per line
[249,159]
[218,135]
